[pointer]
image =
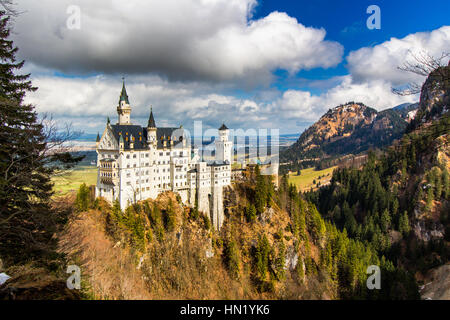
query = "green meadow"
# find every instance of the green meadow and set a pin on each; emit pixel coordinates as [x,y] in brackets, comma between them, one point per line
[72,179]
[305,181]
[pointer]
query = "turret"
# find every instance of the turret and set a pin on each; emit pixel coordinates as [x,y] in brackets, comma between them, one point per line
[98,139]
[121,143]
[223,146]
[151,129]
[124,109]
[131,142]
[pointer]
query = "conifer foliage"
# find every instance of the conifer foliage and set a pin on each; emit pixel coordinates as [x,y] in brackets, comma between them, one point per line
[28,157]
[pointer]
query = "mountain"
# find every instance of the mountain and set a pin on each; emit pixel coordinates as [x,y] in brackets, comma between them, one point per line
[399,201]
[350,129]
[407,111]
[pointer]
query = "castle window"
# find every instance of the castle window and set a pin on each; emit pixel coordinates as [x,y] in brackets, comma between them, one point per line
[128,156]
[134,156]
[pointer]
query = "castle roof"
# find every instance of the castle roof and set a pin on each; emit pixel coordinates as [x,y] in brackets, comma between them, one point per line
[166,134]
[98,137]
[139,134]
[151,120]
[123,94]
[126,131]
[223,127]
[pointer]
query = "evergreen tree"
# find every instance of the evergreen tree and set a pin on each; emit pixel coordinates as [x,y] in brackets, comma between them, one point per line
[430,198]
[250,212]
[27,222]
[385,220]
[445,184]
[404,227]
[82,200]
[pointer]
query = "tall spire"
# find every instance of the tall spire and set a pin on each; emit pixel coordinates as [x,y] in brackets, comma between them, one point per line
[151,120]
[123,94]
[98,137]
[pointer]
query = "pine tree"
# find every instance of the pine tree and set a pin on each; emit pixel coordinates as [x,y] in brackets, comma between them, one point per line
[250,212]
[404,227]
[430,198]
[385,220]
[445,184]
[27,222]
[82,200]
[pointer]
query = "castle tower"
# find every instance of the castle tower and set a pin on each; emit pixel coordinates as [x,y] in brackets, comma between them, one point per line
[151,129]
[124,109]
[223,146]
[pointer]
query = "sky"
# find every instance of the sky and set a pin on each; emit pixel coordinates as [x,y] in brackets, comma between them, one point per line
[251,64]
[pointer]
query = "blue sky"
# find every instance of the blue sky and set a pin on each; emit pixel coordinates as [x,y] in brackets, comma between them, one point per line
[253,64]
[345,22]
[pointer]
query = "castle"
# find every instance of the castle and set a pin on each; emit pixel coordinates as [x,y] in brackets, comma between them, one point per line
[136,163]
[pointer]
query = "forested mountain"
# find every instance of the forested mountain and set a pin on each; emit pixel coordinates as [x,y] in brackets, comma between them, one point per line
[349,129]
[273,245]
[398,203]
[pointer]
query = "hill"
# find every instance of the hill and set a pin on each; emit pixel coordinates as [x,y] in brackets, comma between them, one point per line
[273,245]
[349,129]
[399,201]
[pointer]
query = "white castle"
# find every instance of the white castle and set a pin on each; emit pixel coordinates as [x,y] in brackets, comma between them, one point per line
[136,163]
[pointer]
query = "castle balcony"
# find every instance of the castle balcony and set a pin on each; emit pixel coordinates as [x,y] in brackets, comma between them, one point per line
[106,180]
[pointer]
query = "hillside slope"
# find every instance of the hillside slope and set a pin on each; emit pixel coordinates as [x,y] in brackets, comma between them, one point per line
[399,202]
[273,245]
[349,129]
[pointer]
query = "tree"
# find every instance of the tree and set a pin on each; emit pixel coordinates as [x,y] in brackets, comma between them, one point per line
[430,198]
[250,212]
[422,64]
[445,184]
[385,220]
[404,227]
[31,151]
[231,257]
[82,200]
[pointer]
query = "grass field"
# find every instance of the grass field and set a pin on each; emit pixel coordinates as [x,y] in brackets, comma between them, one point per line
[306,178]
[71,181]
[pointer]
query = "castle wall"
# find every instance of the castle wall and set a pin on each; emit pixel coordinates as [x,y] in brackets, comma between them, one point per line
[216,207]
[132,171]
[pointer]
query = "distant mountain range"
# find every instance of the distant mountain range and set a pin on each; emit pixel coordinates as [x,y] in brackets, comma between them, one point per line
[351,128]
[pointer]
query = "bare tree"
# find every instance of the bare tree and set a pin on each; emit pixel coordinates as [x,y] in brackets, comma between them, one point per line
[422,64]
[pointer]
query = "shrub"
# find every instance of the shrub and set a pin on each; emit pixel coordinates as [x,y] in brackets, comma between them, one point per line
[83,199]
[231,258]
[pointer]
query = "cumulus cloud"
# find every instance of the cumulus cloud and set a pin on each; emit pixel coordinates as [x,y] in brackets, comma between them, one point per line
[381,61]
[87,102]
[303,105]
[182,39]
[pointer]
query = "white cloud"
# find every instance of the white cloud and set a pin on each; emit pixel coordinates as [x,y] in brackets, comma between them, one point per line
[381,61]
[303,105]
[86,102]
[182,39]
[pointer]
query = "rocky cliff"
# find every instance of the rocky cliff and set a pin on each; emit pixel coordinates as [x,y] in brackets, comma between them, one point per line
[350,129]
